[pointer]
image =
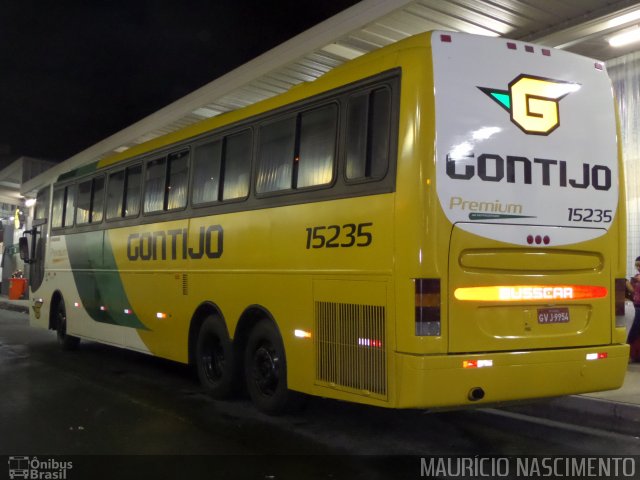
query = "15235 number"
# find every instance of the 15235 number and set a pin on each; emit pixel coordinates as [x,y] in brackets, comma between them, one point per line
[336,236]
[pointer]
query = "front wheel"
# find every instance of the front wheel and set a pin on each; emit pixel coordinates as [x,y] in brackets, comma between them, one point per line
[265,368]
[67,342]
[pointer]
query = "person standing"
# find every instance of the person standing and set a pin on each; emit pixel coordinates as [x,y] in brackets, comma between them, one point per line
[633,338]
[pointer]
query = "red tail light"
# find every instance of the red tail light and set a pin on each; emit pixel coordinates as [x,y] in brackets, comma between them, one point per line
[427,307]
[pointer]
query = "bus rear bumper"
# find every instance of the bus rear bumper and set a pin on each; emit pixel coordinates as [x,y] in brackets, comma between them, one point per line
[441,381]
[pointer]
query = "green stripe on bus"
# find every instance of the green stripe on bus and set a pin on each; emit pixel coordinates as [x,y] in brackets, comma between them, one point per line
[98,281]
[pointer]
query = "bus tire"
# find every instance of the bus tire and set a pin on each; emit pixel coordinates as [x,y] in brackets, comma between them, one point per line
[67,342]
[214,359]
[265,369]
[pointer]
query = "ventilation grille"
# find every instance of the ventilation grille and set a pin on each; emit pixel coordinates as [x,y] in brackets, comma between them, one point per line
[351,348]
[185,284]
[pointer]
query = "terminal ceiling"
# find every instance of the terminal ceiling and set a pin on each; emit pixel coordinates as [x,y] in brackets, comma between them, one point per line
[580,26]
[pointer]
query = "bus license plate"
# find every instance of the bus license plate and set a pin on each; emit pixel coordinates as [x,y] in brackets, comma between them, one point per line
[553,315]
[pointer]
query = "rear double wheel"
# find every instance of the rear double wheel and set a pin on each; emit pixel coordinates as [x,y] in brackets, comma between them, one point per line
[214,359]
[265,368]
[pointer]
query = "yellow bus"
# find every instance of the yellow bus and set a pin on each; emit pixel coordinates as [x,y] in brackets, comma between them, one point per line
[438,223]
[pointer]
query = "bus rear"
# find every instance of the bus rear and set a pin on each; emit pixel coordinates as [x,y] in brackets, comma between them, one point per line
[529,202]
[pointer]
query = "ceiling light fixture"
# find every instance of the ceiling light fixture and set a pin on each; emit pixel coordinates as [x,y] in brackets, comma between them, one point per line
[625,38]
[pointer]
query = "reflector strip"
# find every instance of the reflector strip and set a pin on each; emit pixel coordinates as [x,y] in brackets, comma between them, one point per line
[518,293]
[477,363]
[302,334]
[597,356]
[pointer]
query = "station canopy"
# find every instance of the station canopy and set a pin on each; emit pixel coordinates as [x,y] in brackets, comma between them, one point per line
[580,26]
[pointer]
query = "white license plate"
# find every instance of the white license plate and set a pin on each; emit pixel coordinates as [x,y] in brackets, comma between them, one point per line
[553,315]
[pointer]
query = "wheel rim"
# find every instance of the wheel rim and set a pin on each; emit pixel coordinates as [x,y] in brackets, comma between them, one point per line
[213,358]
[266,369]
[62,322]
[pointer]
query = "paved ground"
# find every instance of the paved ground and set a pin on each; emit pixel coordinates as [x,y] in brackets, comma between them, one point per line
[107,401]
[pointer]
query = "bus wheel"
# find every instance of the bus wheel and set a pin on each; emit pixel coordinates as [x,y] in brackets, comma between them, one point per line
[266,370]
[214,359]
[67,342]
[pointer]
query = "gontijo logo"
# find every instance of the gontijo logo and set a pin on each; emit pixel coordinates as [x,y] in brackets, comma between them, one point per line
[532,102]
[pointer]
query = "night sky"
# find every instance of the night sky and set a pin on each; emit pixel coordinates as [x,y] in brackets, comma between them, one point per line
[75,72]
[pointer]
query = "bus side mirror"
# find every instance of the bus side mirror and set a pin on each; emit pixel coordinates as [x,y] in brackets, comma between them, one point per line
[23,244]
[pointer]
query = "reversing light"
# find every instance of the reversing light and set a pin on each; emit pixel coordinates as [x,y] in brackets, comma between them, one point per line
[597,356]
[477,363]
[427,307]
[517,293]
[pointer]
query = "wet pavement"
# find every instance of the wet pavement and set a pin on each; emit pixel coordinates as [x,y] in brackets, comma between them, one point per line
[102,400]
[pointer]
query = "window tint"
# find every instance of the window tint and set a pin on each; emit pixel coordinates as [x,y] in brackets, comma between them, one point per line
[123,195]
[155,182]
[317,146]
[368,129]
[115,195]
[207,159]
[84,202]
[42,205]
[57,215]
[133,191]
[237,163]
[90,201]
[97,205]
[275,167]
[166,182]
[178,180]
[69,205]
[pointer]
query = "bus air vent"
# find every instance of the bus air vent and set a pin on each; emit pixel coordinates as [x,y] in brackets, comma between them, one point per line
[350,346]
[185,284]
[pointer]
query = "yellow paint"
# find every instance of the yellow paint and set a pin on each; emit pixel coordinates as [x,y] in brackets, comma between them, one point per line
[265,262]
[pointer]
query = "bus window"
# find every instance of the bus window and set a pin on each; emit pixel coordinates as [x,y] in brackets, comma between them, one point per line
[206,172]
[178,173]
[58,208]
[237,160]
[115,194]
[368,128]
[317,146]
[155,182]
[69,205]
[97,203]
[132,191]
[84,202]
[42,205]
[275,167]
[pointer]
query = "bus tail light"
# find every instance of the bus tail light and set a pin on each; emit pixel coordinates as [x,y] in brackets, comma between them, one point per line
[427,307]
[621,288]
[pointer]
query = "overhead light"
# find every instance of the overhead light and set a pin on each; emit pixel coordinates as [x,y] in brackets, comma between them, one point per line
[625,38]
[29,202]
